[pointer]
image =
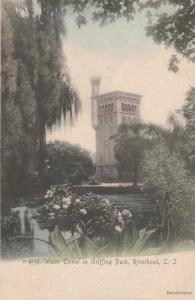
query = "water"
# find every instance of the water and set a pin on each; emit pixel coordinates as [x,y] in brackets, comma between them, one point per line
[29,239]
[33,239]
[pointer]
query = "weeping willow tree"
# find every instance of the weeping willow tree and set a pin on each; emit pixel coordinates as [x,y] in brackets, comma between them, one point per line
[54,92]
[36,94]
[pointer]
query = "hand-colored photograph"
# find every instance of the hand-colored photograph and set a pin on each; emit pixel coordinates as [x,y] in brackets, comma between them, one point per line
[97,128]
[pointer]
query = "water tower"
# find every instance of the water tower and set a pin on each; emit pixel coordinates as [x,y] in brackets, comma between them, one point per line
[108,112]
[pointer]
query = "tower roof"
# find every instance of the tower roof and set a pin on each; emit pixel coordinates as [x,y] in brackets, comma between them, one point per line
[119,93]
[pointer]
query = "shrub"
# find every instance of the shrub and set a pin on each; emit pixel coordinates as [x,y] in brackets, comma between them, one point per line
[96,226]
[68,163]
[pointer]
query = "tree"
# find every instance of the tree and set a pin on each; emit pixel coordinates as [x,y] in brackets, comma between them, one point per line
[166,177]
[131,145]
[37,51]
[36,92]
[68,164]
[174,27]
[176,137]
[189,114]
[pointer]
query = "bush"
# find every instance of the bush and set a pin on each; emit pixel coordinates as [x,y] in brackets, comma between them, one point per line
[68,163]
[166,177]
[96,227]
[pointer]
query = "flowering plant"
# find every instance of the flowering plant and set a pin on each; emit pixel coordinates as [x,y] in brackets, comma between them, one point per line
[93,221]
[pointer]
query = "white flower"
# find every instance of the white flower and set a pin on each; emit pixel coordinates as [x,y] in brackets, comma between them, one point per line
[83,211]
[49,194]
[51,214]
[126,213]
[56,207]
[120,218]
[105,201]
[66,201]
[77,201]
[65,206]
[118,228]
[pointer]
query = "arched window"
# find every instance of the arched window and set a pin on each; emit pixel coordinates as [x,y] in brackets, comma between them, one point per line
[132,109]
[112,106]
[129,108]
[135,109]
[106,108]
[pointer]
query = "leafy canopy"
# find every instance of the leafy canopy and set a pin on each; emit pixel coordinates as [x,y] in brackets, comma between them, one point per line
[67,163]
[166,177]
[132,142]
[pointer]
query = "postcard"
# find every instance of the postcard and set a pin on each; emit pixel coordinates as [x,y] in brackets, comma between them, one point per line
[98,149]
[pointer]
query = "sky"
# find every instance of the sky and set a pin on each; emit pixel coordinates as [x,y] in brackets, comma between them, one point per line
[126,60]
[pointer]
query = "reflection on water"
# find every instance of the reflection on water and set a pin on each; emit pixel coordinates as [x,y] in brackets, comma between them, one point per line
[22,214]
[26,237]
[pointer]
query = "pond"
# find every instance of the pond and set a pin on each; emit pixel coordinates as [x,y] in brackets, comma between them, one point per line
[33,239]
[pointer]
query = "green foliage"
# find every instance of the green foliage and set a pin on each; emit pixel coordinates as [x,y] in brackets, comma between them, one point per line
[95,227]
[131,145]
[84,247]
[100,11]
[176,139]
[18,120]
[67,164]
[189,114]
[36,93]
[170,21]
[174,27]
[165,176]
